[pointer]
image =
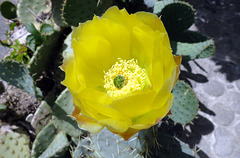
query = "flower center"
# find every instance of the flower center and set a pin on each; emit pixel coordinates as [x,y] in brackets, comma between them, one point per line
[123,78]
[119,81]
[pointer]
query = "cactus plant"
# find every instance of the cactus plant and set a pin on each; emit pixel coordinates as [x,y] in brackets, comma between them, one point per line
[17,75]
[192,51]
[55,131]
[13,144]
[107,144]
[49,142]
[185,104]
[177,16]
[33,11]
[62,108]
[57,13]
[8,10]
[170,146]
[41,117]
[86,9]
[43,55]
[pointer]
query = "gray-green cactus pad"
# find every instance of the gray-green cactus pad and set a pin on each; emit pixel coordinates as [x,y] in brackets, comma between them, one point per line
[8,10]
[44,55]
[63,107]
[107,144]
[185,104]
[49,142]
[13,145]
[177,16]
[75,12]
[170,147]
[17,75]
[192,51]
[41,117]
[33,10]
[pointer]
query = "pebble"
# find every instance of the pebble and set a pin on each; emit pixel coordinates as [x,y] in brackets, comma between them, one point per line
[224,115]
[224,144]
[214,88]
[237,130]
[234,100]
[238,84]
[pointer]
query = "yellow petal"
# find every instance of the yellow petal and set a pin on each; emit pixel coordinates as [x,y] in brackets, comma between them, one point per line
[135,105]
[151,20]
[89,124]
[142,46]
[71,77]
[115,125]
[162,64]
[165,91]
[127,134]
[151,118]
[178,60]
[67,58]
[115,34]
[122,17]
[85,122]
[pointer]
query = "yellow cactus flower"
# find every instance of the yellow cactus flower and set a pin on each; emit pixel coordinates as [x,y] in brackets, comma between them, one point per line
[122,72]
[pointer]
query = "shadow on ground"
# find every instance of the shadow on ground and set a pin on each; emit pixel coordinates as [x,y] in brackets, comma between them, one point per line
[220,20]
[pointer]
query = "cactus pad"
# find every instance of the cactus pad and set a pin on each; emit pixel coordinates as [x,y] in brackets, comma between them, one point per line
[62,108]
[185,104]
[33,10]
[176,16]
[75,12]
[107,144]
[45,141]
[57,147]
[192,51]
[17,75]
[41,117]
[171,147]
[8,10]
[57,11]
[44,55]
[13,145]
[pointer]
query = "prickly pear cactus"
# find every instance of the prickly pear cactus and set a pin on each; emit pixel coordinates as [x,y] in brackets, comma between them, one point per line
[107,144]
[185,104]
[177,16]
[62,108]
[17,75]
[57,13]
[192,51]
[33,11]
[41,117]
[84,9]
[44,55]
[49,142]
[13,145]
[8,10]
[170,147]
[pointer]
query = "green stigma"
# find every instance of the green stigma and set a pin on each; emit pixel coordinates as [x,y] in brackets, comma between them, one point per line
[119,81]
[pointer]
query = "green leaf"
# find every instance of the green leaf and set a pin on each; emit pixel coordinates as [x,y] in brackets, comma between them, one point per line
[8,10]
[31,28]
[2,107]
[46,28]
[12,25]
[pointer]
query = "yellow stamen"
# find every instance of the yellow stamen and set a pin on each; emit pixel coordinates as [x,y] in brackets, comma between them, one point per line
[124,77]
